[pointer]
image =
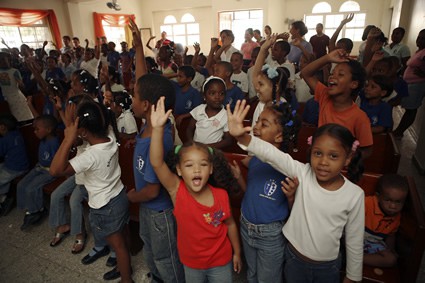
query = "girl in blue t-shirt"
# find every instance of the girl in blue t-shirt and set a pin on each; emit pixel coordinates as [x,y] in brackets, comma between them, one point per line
[265,207]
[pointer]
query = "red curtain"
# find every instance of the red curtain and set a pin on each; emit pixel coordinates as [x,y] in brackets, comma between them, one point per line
[118,20]
[20,18]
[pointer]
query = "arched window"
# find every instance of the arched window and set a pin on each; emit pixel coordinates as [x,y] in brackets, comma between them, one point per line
[322,7]
[186,32]
[170,20]
[187,18]
[349,6]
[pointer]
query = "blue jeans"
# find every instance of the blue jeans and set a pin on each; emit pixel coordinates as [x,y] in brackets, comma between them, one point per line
[6,176]
[30,189]
[57,216]
[263,246]
[297,270]
[219,274]
[158,232]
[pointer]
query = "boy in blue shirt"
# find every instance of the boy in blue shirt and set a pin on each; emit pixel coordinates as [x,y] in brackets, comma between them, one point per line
[187,97]
[14,157]
[30,188]
[224,71]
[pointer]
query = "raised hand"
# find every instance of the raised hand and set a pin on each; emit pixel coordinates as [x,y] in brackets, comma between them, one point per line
[214,42]
[70,113]
[270,40]
[347,19]
[137,37]
[71,131]
[378,55]
[197,47]
[3,41]
[45,43]
[235,119]
[338,56]
[285,36]
[158,116]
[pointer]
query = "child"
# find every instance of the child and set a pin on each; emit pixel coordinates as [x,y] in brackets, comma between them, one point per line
[335,102]
[101,173]
[12,87]
[14,157]
[53,71]
[208,124]
[315,227]
[239,77]
[187,98]
[30,188]
[167,66]
[252,93]
[378,111]
[383,213]
[204,243]
[224,71]
[91,59]
[265,208]
[120,104]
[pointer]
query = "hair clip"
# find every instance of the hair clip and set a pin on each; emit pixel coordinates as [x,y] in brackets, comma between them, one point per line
[86,114]
[177,149]
[211,150]
[271,71]
[294,112]
[290,123]
[310,140]
[356,143]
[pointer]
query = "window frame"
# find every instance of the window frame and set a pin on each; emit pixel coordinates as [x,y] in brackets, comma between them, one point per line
[18,31]
[186,34]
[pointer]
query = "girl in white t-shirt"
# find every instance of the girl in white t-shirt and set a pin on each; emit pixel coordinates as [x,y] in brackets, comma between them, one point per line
[99,165]
[326,203]
[208,124]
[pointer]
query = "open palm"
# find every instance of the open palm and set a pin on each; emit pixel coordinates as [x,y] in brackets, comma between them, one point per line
[158,116]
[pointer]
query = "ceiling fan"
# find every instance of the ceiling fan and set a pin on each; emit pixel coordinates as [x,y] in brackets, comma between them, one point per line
[113,5]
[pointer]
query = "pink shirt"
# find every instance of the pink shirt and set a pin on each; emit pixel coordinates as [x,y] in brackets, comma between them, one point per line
[247,48]
[416,61]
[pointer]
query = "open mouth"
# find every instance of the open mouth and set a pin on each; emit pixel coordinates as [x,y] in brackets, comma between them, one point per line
[197,181]
[331,84]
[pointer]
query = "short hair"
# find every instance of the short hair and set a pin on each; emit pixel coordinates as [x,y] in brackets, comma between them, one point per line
[229,33]
[250,31]
[9,121]
[151,87]
[48,121]
[300,26]
[392,181]
[226,65]
[402,30]
[188,71]
[66,37]
[358,74]
[283,45]
[75,38]
[366,31]
[348,44]
[237,53]
[319,24]
[384,82]
[257,31]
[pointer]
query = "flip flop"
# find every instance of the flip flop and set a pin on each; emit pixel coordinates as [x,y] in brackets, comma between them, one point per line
[58,238]
[79,245]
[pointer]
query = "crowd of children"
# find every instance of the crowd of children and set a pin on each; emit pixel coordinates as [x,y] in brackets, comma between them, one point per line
[288,230]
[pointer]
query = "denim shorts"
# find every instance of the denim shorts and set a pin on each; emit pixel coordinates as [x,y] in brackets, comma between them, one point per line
[110,218]
[415,97]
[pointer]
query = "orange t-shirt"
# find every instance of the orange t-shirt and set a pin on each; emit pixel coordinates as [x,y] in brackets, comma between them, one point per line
[352,118]
[376,222]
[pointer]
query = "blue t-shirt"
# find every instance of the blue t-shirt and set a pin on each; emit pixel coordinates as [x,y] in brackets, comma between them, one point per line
[232,95]
[401,88]
[186,101]
[144,172]
[311,112]
[56,74]
[12,149]
[47,150]
[113,59]
[264,202]
[379,114]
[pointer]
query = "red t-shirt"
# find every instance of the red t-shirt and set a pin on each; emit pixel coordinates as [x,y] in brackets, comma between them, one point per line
[352,118]
[202,239]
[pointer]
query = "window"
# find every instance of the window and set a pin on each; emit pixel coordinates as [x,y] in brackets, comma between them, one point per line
[239,21]
[115,32]
[186,32]
[322,13]
[33,35]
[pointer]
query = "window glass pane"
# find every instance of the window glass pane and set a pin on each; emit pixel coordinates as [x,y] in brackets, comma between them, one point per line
[191,39]
[180,39]
[240,15]
[192,28]
[358,21]
[168,29]
[333,21]
[355,34]
[115,34]
[179,30]
[170,20]
[322,7]
[349,6]
[187,18]
[11,36]
[312,21]
[27,34]
[256,14]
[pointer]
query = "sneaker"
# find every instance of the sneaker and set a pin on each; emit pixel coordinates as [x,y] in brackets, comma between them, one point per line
[7,206]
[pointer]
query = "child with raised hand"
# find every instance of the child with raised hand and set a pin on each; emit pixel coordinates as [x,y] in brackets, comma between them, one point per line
[207,232]
[265,208]
[315,227]
[101,173]
[208,124]
[29,190]
[224,71]
[336,101]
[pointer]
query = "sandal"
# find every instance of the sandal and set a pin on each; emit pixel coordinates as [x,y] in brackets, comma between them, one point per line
[79,245]
[58,238]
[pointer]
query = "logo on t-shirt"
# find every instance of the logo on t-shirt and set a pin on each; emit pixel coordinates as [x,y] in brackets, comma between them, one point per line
[188,104]
[46,155]
[140,164]
[215,123]
[215,219]
[269,189]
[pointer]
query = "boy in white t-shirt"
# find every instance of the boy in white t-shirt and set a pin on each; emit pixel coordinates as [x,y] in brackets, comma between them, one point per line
[239,77]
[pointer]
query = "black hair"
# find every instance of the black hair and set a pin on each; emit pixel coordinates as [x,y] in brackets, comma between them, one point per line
[257,31]
[300,26]
[280,80]
[319,24]
[123,99]
[384,83]
[169,48]
[283,45]
[57,87]
[227,66]
[344,136]
[48,121]
[188,60]
[9,121]
[95,118]
[211,81]
[52,57]
[151,61]
[358,74]
[66,55]
[151,87]
[392,181]
[229,33]
[188,71]
[366,31]
[290,123]
[221,177]
[403,31]
[203,58]
[348,44]
[237,53]
[75,38]
[88,81]
[114,74]
[66,37]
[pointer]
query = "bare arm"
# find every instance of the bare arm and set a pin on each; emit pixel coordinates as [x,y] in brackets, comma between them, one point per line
[148,43]
[226,45]
[210,58]
[97,49]
[140,55]
[332,42]
[225,142]
[264,51]
[195,57]
[232,233]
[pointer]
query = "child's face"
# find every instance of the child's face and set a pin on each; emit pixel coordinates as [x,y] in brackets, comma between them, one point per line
[88,55]
[236,62]
[51,63]
[76,85]
[268,128]
[195,168]
[163,53]
[391,200]
[264,88]
[254,55]
[40,130]
[340,81]
[373,90]
[182,80]
[220,71]
[139,106]
[381,68]
[328,157]
[278,53]
[214,95]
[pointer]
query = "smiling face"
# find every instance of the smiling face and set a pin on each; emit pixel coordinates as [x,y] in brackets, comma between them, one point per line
[328,157]
[264,88]
[236,61]
[214,95]
[391,200]
[195,168]
[268,128]
[373,90]
[340,81]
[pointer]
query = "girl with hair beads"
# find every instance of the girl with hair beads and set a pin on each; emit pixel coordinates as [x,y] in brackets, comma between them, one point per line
[206,230]
[326,203]
[120,104]
[265,208]
[208,124]
[99,165]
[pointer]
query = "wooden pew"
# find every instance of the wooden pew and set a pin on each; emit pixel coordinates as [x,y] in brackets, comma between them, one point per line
[4,107]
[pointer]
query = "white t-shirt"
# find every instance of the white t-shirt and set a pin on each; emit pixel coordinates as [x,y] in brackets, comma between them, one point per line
[287,65]
[399,50]
[302,90]
[126,123]
[319,217]
[240,80]
[197,81]
[209,129]
[226,55]
[91,66]
[114,88]
[101,172]
[251,88]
